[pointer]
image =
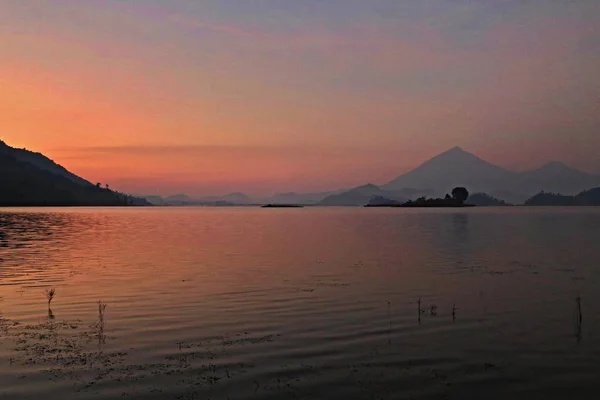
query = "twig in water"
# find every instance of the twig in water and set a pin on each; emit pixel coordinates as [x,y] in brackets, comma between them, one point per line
[101,309]
[390,321]
[578,318]
[453,312]
[50,295]
[100,324]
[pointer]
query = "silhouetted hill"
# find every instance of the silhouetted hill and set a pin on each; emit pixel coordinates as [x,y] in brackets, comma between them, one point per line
[178,199]
[237,198]
[452,168]
[550,199]
[25,183]
[155,200]
[230,199]
[558,177]
[380,201]
[42,162]
[359,196]
[484,199]
[22,184]
[586,198]
[299,198]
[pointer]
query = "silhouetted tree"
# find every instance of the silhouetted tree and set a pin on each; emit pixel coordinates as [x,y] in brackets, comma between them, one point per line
[98,185]
[448,197]
[107,187]
[460,194]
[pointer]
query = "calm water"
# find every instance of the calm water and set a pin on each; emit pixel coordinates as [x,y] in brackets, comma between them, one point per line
[248,303]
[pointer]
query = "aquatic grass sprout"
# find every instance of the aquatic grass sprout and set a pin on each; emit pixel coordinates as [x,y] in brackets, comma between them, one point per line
[101,310]
[50,295]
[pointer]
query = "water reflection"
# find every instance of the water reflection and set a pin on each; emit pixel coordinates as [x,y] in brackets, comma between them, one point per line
[31,242]
[206,303]
[460,223]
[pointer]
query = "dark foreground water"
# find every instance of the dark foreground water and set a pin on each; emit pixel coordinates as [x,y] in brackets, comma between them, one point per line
[253,303]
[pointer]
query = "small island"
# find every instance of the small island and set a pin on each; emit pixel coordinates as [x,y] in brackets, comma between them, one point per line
[458,199]
[282,206]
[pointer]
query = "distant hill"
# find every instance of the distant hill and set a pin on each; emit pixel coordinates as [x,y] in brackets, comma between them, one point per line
[484,199]
[379,201]
[155,200]
[45,183]
[178,199]
[360,196]
[586,198]
[558,177]
[452,168]
[230,199]
[589,197]
[299,198]
[236,198]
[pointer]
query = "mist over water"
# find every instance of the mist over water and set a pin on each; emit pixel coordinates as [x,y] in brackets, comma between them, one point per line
[313,303]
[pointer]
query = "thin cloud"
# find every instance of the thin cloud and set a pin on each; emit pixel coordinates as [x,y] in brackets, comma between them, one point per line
[195,23]
[162,149]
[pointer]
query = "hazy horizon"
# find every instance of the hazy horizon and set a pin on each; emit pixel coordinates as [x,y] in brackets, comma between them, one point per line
[208,98]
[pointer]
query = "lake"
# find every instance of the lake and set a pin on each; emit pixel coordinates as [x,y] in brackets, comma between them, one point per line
[312,303]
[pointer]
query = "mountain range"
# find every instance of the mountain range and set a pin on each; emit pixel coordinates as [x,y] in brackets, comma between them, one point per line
[433,178]
[32,179]
[457,167]
[29,178]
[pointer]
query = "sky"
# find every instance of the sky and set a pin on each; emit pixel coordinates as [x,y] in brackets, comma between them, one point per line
[262,96]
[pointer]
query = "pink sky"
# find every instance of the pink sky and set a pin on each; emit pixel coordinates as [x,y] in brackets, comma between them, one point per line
[173,97]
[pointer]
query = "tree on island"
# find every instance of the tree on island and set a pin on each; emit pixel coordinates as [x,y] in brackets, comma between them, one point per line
[460,194]
[458,198]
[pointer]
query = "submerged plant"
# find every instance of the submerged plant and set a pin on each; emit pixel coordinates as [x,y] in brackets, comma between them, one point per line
[433,310]
[50,295]
[389,303]
[101,309]
[578,318]
[100,324]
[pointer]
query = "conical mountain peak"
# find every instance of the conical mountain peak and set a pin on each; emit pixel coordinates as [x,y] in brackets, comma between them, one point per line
[454,167]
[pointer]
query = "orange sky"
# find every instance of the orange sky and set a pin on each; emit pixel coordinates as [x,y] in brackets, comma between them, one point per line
[157,97]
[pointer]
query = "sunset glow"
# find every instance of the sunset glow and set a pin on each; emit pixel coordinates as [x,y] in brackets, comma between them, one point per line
[206,97]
